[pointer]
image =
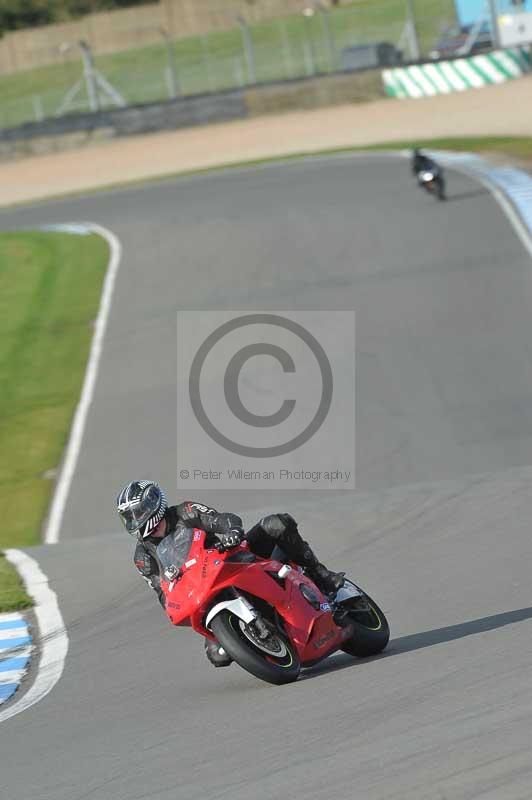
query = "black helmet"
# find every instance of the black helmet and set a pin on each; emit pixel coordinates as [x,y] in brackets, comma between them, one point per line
[141,506]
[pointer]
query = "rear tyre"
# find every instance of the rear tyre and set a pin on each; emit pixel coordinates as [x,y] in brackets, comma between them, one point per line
[272,659]
[372,632]
[440,187]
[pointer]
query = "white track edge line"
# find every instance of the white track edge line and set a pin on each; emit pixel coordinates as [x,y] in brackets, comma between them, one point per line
[62,489]
[53,635]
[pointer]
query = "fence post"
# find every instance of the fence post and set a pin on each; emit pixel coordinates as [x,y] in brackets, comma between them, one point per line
[328,35]
[170,87]
[249,52]
[310,67]
[171,71]
[207,61]
[415,52]
[308,14]
[38,108]
[287,53]
[492,8]
[88,72]
[239,72]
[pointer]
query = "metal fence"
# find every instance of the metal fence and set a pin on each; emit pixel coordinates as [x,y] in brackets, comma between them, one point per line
[319,40]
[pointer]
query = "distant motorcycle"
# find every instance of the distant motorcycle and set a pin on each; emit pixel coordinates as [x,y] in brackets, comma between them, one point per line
[432,181]
[428,174]
[265,612]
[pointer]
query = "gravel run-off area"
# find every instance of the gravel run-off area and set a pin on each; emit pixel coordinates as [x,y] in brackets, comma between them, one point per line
[503,110]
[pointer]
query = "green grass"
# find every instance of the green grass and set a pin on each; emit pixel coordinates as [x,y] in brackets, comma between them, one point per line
[284,48]
[12,593]
[50,285]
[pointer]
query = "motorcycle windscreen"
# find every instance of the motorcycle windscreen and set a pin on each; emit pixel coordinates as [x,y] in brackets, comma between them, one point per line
[174,549]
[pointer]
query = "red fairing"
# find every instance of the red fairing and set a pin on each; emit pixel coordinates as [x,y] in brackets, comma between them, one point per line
[207,577]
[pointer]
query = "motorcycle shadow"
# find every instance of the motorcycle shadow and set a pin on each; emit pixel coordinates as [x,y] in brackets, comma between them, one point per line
[451,198]
[418,641]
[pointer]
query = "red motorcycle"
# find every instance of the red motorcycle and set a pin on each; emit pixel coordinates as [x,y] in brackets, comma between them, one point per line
[266,613]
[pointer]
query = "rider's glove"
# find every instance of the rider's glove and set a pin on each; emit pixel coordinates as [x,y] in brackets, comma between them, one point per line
[226,541]
[227,523]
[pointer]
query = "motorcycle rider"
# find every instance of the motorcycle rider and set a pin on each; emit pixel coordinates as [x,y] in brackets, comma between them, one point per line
[143,509]
[422,163]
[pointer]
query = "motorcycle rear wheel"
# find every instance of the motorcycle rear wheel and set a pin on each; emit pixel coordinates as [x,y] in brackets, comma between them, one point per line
[274,660]
[372,632]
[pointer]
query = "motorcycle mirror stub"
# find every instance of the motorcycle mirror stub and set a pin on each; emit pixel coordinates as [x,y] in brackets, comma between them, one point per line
[283,572]
[171,573]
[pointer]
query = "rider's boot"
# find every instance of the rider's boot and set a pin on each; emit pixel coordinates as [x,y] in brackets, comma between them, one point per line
[327,582]
[216,654]
[302,553]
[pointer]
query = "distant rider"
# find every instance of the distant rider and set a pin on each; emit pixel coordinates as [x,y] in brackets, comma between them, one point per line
[422,163]
[143,509]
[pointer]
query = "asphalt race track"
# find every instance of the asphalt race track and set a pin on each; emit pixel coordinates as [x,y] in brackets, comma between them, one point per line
[438,531]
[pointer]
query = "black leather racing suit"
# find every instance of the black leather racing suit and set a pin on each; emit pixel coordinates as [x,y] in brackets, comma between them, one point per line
[274,529]
[421,163]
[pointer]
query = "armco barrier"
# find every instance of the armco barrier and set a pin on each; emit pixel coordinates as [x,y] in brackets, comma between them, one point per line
[443,77]
[75,130]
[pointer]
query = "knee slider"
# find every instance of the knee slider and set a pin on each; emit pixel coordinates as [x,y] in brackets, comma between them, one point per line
[289,521]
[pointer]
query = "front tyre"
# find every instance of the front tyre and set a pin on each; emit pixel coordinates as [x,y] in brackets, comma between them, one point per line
[272,658]
[371,630]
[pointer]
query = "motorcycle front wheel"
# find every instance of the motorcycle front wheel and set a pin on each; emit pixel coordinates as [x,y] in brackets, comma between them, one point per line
[271,657]
[371,630]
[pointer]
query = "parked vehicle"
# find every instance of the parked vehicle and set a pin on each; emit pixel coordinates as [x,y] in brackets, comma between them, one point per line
[453,42]
[370,56]
[267,614]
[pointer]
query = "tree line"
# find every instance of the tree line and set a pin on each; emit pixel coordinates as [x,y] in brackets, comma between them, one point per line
[15,14]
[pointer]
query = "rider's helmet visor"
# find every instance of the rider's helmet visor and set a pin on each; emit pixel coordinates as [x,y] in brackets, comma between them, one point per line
[135,513]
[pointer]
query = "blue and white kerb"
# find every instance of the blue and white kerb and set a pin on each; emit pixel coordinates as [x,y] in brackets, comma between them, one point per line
[15,650]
